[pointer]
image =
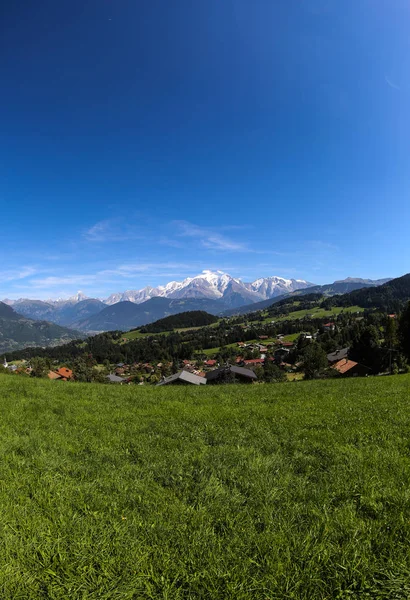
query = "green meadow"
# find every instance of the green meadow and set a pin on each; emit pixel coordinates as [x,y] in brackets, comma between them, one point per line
[290,491]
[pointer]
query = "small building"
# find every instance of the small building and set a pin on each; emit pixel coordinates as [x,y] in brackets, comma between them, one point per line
[210,363]
[183,378]
[334,357]
[281,354]
[350,368]
[53,375]
[254,361]
[239,373]
[65,373]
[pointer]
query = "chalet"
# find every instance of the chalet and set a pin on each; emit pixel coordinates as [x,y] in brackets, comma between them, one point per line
[254,361]
[334,357]
[210,363]
[350,368]
[281,354]
[183,378]
[62,373]
[329,326]
[53,375]
[65,373]
[219,375]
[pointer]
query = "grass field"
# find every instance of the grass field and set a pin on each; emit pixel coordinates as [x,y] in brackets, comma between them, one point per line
[316,313]
[266,492]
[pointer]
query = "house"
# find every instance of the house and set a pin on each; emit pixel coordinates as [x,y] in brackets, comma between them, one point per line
[281,354]
[210,363]
[350,368]
[53,375]
[254,361]
[65,373]
[115,379]
[183,378]
[62,374]
[218,375]
[329,326]
[334,357]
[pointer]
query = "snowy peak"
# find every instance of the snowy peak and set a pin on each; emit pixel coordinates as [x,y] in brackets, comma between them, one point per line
[270,287]
[214,285]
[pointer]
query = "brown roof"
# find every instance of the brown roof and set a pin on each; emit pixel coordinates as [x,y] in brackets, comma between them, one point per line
[344,365]
[210,363]
[254,361]
[64,372]
[53,375]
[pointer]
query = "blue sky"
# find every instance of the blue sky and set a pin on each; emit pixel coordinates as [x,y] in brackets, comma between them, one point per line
[146,141]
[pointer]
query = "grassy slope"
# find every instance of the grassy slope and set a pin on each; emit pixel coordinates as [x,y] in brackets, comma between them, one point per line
[298,490]
[316,312]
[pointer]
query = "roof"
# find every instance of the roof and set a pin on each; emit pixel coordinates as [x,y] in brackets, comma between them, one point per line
[244,372]
[115,379]
[210,363]
[344,365]
[64,372]
[254,361]
[240,371]
[184,376]
[53,375]
[337,355]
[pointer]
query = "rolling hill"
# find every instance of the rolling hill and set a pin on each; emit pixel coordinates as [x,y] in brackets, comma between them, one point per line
[192,318]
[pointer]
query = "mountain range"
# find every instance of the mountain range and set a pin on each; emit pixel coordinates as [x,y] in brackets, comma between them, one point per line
[214,292]
[208,285]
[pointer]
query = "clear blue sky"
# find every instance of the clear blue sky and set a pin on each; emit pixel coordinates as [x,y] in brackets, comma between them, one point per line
[144,141]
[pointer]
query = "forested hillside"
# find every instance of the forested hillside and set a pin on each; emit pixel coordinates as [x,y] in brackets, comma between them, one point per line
[17,331]
[192,318]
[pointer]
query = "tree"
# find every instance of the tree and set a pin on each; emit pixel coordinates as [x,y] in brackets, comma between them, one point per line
[314,361]
[390,333]
[366,349]
[404,331]
[39,367]
[272,373]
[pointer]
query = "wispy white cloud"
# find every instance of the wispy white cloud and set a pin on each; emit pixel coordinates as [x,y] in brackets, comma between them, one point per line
[111,230]
[391,84]
[208,237]
[16,274]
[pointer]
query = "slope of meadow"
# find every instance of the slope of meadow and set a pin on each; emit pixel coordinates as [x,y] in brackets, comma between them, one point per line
[297,490]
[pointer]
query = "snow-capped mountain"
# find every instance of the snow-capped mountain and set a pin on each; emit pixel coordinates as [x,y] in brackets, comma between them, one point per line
[78,297]
[270,287]
[214,285]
